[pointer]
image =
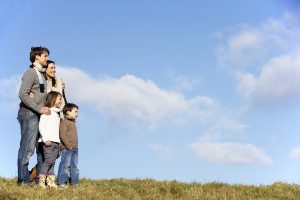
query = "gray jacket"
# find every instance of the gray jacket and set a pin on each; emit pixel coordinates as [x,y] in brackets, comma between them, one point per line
[30,82]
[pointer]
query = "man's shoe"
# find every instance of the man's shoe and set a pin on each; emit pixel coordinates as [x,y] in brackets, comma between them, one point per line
[22,183]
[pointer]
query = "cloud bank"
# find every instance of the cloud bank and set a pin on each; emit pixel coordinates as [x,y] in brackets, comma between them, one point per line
[131,96]
[265,60]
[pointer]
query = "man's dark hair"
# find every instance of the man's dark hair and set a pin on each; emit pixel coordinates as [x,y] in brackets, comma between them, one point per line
[51,98]
[69,107]
[37,51]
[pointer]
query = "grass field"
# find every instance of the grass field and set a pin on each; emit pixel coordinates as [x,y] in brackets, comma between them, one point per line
[149,189]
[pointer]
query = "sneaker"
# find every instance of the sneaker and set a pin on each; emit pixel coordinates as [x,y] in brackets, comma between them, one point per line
[23,184]
[63,186]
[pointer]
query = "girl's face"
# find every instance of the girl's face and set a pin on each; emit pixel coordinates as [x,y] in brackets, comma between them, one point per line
[58,101]
[51,69]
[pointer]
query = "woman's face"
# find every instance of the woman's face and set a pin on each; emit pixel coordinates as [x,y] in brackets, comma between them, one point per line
[51,69]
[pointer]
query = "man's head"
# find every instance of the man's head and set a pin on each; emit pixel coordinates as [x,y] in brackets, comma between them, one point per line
[39,54]
[71,111]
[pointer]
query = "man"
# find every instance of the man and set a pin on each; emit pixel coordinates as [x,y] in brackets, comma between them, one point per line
[31,107]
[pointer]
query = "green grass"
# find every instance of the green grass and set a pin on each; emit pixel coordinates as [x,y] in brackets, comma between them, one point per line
[149,189]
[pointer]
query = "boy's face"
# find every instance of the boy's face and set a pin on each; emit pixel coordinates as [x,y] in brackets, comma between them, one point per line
[73,114]
[42,59]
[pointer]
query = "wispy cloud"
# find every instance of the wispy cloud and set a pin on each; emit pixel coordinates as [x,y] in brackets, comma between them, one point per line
[9,100]
[295,153]
[265,60]
[165,152]
[213,151]
[182,82]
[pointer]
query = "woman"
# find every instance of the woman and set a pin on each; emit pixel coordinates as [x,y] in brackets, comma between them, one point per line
[53,84]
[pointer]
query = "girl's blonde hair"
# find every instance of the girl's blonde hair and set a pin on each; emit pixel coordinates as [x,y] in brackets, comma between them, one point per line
[51,98]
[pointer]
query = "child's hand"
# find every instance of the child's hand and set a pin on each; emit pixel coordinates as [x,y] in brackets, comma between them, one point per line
[48,143]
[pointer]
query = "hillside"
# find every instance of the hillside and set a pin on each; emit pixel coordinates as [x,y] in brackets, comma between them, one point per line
[149,189]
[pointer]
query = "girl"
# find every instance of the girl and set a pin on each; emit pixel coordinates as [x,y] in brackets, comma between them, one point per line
[49,131]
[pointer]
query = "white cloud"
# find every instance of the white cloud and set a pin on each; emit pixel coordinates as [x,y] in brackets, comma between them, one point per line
[132,96]
[9,100]
[229,152]
[278,81]
[295,153]
[265,60]
[165,152]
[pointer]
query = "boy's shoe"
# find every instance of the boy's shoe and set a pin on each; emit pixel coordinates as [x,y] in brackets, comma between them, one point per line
[51,179]
[63,186]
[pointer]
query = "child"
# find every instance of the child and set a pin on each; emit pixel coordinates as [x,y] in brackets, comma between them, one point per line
[49,130]
[69,146]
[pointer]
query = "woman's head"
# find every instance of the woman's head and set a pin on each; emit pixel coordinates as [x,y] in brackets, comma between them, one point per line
[53,99]
[51,69]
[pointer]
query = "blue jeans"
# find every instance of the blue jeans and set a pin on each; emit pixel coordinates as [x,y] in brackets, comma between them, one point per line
[29,123]
[40,160]
[68,167]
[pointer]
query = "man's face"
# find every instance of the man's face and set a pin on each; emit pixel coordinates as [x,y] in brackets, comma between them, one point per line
[42,59]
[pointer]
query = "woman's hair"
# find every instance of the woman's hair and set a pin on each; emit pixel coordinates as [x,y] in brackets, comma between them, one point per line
[37,51]
[51,98]
[50,61]
[53,79]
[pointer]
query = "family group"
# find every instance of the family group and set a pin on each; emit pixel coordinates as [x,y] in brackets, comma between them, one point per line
[48,125]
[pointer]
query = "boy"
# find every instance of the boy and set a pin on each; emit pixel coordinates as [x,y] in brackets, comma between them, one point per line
[69,146]
[30,109]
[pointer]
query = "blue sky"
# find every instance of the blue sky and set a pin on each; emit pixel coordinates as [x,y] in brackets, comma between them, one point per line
[187,90]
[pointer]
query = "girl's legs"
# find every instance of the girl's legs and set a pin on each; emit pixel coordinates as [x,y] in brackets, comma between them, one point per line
[50,155]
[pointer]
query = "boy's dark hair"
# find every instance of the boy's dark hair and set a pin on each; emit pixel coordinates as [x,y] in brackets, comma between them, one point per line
[51,98]
[69,107]
[37,51]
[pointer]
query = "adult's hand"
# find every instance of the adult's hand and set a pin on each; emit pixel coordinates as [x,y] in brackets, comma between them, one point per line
[31,94]
[45,110]
[63,86]
[48,143]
